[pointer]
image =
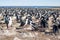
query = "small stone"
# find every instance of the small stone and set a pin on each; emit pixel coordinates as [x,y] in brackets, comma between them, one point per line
[58,37]
[16,38]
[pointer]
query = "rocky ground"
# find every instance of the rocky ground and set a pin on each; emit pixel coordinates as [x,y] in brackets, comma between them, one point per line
[25,34]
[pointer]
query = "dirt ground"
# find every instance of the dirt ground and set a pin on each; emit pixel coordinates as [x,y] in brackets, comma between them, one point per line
[26,35]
